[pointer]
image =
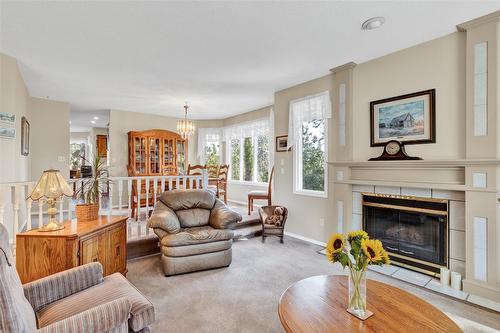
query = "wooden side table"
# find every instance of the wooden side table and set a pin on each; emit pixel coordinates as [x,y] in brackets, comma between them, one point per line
[39,254]
[319,303]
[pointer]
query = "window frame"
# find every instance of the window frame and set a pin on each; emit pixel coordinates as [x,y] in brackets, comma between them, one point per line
[254,180]
[298,167]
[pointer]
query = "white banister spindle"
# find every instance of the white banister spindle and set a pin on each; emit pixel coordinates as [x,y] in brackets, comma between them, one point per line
[155,189]
[120,196]
[61,209]
[184,182]
[205,179]
[71,208]
[99,195]
[110,198]
[29,202]
[162,184]
[2,205]
[138,206]
[129,193]
[191,183]
[170,183]
[148,181]
[15,205]
[40,213]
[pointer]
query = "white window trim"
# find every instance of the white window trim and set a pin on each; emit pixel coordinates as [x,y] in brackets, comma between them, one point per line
[228,151]
[254,180]
[297,156]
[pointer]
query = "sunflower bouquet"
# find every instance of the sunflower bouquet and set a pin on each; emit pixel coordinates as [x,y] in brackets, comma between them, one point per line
[357,253]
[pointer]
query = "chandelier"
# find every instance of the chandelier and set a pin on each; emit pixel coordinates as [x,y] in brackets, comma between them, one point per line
[185,127]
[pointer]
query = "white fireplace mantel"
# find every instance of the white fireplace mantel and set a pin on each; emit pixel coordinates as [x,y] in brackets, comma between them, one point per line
[433,174]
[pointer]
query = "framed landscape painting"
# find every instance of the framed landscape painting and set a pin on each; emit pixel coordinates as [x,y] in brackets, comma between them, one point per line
[409,119]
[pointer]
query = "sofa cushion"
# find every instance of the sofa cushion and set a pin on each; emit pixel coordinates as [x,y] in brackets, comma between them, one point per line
[195,217]
[193,250]
[16,313]
[187,199]
[113,287]
[197,235]
[164,218]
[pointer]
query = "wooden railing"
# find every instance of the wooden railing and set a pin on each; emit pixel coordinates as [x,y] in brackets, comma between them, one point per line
[20,214]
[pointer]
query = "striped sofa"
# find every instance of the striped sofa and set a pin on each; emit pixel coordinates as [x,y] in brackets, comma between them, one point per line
[76,300]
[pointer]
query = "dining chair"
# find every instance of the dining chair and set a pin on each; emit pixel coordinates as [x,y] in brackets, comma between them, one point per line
[261,195]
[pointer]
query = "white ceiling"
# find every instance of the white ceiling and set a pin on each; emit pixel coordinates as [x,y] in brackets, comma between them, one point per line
[224,58]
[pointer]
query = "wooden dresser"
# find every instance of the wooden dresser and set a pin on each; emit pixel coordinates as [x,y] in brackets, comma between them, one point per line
[39,254]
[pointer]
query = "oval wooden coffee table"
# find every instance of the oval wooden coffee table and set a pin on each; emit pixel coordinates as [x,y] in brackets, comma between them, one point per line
[318,304]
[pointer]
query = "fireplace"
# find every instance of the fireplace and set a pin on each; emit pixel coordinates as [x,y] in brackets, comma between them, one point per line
[414,230]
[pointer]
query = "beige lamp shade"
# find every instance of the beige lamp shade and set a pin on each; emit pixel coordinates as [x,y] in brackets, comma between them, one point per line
[51,185]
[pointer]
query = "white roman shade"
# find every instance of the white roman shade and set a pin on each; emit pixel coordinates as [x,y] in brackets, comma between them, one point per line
[307,109]
[252,129]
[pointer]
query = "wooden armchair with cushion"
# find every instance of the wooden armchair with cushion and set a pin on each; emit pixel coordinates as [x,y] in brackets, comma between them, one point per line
[261,195]
[273,220]
[76,300]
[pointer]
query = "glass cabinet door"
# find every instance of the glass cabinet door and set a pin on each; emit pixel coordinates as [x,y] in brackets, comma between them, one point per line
[140,155]
[154,156]
[181,156]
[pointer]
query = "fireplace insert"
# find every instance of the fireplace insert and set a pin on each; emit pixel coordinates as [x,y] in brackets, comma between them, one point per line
[414,230]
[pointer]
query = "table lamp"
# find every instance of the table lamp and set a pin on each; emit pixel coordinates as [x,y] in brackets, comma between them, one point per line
[51,187]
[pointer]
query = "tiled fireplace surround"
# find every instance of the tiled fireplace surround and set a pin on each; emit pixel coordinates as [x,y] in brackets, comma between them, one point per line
[471,189]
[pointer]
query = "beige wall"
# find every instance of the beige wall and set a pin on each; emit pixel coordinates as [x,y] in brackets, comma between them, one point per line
[49,136]
[13,99]
[438,64]
[305,212]
[121,122]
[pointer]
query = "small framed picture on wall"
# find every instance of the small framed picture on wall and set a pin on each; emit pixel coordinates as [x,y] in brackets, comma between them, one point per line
[281,143]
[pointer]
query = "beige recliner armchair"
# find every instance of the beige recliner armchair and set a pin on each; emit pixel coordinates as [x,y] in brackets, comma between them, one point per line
[193,228]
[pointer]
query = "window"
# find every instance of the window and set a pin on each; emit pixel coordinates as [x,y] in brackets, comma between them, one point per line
[212,149]
[235,159]
[77,152]
[309,136]
[248,151]
[312,156]
[209,140]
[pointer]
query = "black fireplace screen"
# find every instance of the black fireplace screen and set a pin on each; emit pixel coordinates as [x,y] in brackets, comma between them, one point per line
[413,231]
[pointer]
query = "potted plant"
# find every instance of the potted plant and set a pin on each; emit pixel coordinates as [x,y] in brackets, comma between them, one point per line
[91,190]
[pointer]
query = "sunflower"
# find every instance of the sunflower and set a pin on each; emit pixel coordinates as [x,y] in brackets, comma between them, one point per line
[361,234]
[334,246]
[385,258]
[372,248]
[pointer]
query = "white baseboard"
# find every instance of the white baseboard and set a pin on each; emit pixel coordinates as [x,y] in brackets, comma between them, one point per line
[305,239]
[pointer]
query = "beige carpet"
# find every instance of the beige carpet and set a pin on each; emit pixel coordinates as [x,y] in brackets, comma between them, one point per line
[244,297]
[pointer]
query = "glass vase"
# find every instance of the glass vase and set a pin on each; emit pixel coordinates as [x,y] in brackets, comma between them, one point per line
[357,294]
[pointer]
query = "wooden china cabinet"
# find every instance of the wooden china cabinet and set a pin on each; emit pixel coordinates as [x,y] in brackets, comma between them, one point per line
[154,153]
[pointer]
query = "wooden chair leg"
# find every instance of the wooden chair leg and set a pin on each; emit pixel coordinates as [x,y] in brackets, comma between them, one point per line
[248,205]
[251,205]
